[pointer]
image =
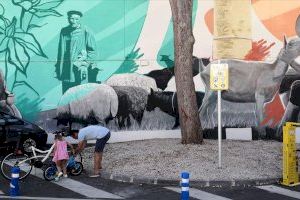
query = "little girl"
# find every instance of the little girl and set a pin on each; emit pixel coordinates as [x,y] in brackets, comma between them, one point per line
[61,155]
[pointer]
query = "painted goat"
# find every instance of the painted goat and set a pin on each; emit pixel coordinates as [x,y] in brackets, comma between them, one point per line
[250,81]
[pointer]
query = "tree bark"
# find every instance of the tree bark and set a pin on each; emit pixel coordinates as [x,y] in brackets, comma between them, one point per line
[191,130]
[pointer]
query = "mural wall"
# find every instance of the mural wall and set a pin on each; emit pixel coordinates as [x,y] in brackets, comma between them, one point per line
[111,61]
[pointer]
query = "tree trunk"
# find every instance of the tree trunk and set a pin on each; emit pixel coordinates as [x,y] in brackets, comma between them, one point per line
[184,40]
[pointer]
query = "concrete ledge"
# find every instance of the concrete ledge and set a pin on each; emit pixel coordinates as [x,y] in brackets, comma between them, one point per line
[193,183]
[239,134]
[126,136]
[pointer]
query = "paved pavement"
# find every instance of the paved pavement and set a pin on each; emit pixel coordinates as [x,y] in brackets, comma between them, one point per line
[35,187]
[83,187]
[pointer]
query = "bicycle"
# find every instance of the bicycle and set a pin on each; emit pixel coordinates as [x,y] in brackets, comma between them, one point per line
[26,163]
[73,167]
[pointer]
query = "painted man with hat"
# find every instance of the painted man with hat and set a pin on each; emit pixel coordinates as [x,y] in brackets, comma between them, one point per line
[77,53]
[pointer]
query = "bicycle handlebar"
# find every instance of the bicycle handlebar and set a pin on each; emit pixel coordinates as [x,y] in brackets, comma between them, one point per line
[38,150]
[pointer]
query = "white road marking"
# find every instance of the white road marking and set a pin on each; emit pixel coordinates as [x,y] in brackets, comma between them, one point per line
[78,187]
[281,191]
[85,190]
[198,194]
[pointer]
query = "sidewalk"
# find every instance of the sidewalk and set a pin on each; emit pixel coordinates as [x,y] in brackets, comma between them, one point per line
[160,161]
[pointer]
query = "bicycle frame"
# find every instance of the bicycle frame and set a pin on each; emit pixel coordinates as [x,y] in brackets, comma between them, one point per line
[35,156]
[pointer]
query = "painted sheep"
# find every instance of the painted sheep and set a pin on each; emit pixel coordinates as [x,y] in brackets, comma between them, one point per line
[167,102]
[132,101]
[88,103]
[133,80]
[163,76]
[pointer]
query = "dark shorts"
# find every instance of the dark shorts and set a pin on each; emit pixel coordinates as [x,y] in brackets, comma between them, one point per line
[100,143]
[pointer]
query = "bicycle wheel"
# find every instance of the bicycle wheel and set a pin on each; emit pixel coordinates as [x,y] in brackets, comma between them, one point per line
[50,173]
[13,160]
[77,169]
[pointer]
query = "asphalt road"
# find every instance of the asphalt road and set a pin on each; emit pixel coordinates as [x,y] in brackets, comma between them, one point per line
[84,187]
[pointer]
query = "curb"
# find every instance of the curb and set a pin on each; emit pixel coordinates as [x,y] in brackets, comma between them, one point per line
[193,183]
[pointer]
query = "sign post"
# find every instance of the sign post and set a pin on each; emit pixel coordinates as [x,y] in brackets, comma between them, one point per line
[219,81]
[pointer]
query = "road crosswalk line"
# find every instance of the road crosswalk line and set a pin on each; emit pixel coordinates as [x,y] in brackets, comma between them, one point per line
[281,191]
[72,185]
[79,187]
[85,190]
[198,194]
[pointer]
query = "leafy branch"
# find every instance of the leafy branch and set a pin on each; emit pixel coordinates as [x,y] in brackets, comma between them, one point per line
[129,65]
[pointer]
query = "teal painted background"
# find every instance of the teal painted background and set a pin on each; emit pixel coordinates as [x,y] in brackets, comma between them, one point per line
[130,36]
[116,25]
[29,69]
[168,43]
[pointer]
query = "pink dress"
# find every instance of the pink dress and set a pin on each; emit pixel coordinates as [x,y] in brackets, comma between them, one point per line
[61,152]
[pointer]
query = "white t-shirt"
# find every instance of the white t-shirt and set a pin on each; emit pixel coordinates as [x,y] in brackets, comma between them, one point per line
[92,132]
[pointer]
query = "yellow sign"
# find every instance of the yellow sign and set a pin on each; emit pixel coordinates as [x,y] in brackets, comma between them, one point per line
[219,76]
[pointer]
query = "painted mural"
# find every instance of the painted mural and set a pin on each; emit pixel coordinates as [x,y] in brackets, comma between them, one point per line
[112,61]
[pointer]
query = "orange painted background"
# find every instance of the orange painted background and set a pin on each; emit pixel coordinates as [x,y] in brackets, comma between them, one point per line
[279,18]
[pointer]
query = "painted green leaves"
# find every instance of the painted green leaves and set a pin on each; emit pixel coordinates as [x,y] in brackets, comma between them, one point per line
[40,8]
[18,45]
[129,65]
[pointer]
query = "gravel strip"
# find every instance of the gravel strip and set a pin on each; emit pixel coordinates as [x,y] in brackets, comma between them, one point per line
[167,158]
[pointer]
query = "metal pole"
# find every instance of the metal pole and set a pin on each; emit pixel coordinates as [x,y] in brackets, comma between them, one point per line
[219,126]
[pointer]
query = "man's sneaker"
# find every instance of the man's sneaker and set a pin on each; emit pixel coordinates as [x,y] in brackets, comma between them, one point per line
[94,175]
[65,175]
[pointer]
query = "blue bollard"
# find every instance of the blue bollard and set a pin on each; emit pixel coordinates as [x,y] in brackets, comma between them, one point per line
[14,183]
[185,186]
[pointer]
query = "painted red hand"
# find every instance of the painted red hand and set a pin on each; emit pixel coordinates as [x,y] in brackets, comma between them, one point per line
[259,51]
